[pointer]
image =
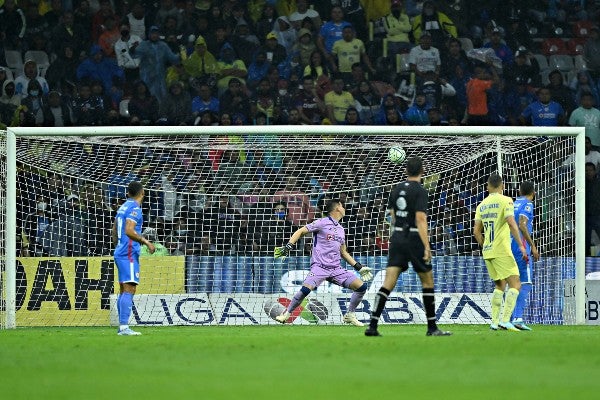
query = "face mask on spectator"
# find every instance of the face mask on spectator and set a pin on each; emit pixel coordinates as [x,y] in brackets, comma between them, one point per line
[41,206]
[124,32]
[280,214]
[34,92]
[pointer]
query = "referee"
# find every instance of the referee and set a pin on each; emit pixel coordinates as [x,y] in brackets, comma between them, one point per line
[409,242]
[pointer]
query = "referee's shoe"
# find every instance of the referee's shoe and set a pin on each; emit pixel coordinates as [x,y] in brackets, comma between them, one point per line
[438,332]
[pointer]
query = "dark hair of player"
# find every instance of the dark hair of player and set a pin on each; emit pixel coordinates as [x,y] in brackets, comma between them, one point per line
[414,166]
[495,180]
[331,204]
[526,188]
[134,188]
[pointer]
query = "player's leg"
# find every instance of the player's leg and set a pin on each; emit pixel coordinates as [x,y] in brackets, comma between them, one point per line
[497,295]
[359,288]
[525,274]
[315,277]
[129,271]
[505,270]
[427,285]
[510,299]
[391,277]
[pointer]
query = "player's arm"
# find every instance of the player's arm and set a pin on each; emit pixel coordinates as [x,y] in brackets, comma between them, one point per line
[525,232]
[478,232]
[421,221]
[364,271]
[284,251]
[514,231]
[136,237]
[114,232]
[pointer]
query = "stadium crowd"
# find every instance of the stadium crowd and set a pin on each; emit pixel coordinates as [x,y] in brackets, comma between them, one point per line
[263,62]
[220,62]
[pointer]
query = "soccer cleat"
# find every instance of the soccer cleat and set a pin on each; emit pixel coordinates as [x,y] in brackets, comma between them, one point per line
[128,332]
[493,327]
[438,332]
[350,318]
[372,332]
[520,325]
[283,317]
[507,326]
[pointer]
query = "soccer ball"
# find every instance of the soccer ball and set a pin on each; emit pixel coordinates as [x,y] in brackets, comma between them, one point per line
[396,154]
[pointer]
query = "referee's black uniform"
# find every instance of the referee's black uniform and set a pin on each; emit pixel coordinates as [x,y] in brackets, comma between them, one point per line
[405,244]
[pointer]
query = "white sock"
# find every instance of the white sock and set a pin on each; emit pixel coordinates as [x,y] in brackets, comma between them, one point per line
[121,327]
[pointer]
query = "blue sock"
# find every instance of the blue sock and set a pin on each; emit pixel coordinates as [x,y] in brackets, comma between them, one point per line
[521,301]
[124,305]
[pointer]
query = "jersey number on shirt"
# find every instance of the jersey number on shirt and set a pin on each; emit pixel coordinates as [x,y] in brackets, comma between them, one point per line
[489,230]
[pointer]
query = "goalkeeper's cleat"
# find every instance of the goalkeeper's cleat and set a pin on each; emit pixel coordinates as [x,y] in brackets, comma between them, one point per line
[128,332]
[520,325]
[438,332]
[493,327]
[350,318]
[372,332]
[283,317]
[507,326]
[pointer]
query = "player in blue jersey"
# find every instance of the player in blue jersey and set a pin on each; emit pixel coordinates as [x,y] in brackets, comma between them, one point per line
[126,231]
[524,218]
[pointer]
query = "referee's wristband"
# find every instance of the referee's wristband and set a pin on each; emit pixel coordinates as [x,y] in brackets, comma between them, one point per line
[357,266]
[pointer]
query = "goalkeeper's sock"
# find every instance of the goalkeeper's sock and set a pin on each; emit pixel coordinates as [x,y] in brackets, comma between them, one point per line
[509,304]
[496,306]
[522,300]
[429,304]
[357,297]
[298,297]
[380,299]
[125,304]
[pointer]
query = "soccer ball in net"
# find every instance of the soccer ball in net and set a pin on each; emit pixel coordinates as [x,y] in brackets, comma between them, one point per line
[396,154]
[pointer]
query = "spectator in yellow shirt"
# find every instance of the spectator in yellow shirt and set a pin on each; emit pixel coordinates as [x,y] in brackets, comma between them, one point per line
[348,51]
[338,101]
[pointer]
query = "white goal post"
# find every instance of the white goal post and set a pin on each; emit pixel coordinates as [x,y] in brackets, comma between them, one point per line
[62,183]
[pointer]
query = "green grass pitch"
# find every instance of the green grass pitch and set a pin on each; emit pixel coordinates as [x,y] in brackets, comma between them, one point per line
[300,362]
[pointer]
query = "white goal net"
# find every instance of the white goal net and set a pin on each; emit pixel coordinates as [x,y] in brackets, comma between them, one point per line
[218,202]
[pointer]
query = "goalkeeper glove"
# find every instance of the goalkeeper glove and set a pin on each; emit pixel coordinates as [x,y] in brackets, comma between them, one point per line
[284,251]
[365,272]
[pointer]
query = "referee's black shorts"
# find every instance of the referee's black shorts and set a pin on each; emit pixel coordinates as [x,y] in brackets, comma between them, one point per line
[407,247]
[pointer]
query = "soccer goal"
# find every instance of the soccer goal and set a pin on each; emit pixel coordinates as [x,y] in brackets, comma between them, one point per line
[219,199]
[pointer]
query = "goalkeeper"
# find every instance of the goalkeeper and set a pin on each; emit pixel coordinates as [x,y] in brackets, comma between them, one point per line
[329,246]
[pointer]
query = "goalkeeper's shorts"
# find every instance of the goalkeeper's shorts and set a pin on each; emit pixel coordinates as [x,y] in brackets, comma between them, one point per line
[129,269]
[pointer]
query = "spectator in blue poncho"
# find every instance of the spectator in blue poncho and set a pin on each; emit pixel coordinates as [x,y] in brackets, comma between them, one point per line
[99,68]
[154,55]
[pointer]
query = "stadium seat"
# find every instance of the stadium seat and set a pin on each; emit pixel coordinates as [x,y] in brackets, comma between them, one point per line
[466,43]
[561,62]
[575,46]
[9,73]
[124,108]
[581,29]
[542,61]
[552,46]
[580,62]
[14,61]
[545,79]
[40,58]
[402,64]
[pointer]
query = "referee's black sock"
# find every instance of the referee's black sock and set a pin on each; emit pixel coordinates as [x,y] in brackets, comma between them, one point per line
[380,299]
[429,304]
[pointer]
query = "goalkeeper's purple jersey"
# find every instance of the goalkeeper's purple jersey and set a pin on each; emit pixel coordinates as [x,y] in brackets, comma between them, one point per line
[328,237]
